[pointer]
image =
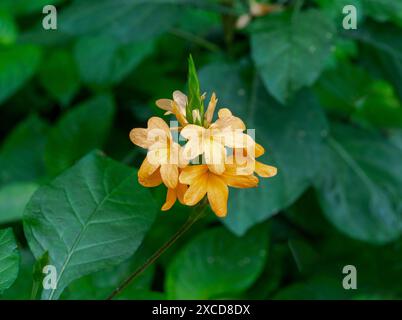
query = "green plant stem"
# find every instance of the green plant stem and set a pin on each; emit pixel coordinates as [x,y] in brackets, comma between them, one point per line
[193,218]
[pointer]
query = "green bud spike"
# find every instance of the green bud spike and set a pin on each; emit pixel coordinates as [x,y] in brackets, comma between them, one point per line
[194,95]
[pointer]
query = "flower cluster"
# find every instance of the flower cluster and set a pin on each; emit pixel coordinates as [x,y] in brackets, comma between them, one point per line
[215,156]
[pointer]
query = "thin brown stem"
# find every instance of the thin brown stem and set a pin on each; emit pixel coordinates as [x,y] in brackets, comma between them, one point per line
[187,225]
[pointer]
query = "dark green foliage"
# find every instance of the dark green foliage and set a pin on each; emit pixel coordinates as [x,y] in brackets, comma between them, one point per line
[326,104]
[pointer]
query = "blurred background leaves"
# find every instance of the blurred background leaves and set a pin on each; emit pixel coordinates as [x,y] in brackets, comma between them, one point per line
[325,103]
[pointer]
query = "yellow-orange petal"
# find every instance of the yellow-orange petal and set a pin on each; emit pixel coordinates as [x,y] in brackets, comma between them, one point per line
[139,137]
[218,193]
[259,150]
[209,114]
[224,113]
[156,123]
[181,191]
[192,173]
[147,169]
[264,170]
[192,131]
[215,156]
[240,181]
[192,149]
[153,180]
[171,197]
[196,191]
[230,122]
[164,104]
[170,175]
[181,99]
[180,114]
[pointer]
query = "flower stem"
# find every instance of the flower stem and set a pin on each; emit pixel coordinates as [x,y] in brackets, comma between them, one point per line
[194,217]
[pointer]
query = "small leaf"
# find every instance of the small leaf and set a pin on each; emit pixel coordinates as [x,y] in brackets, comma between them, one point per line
[21,156]
[17,65]
[8,28]
[215,263]
[79,131]
[93,216]
[13,199]
[9,259]
[59,76]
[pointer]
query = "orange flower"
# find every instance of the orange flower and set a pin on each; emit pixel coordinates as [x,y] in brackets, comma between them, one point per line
[203,182]
[164,156]
[245,163]
[211,142]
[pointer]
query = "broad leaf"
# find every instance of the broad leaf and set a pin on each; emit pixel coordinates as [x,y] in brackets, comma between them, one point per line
[91,217]
[290,51]
[13,199]
[59,76]
[17,65]
[21,155]
[113,60]
[79,131]
[360,185]
[215,263]
[9,259]
[291,135]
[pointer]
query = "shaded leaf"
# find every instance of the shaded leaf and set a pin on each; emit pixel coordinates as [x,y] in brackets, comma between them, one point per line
[79,131]
[59,76]
[290,51]
[13,199]
[21,156]
[134,20]
[360,186]
[292,136]
[215,263]
[113,60]
[17,65]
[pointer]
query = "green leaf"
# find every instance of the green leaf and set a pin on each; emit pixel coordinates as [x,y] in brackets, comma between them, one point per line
[352,92]
[59,76]
[113,60]
[8,28]
[360,186]
[23,7]
[21,156]
[9,259]
[384,37]
[384,10]
[79,131]
[316,288]
[215,263]
[290,51]
[291,135]
[17,65]
[91,217]
[382,52]
[22,287]
[101,284]
[194,93]
[13,198]
[134,20]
